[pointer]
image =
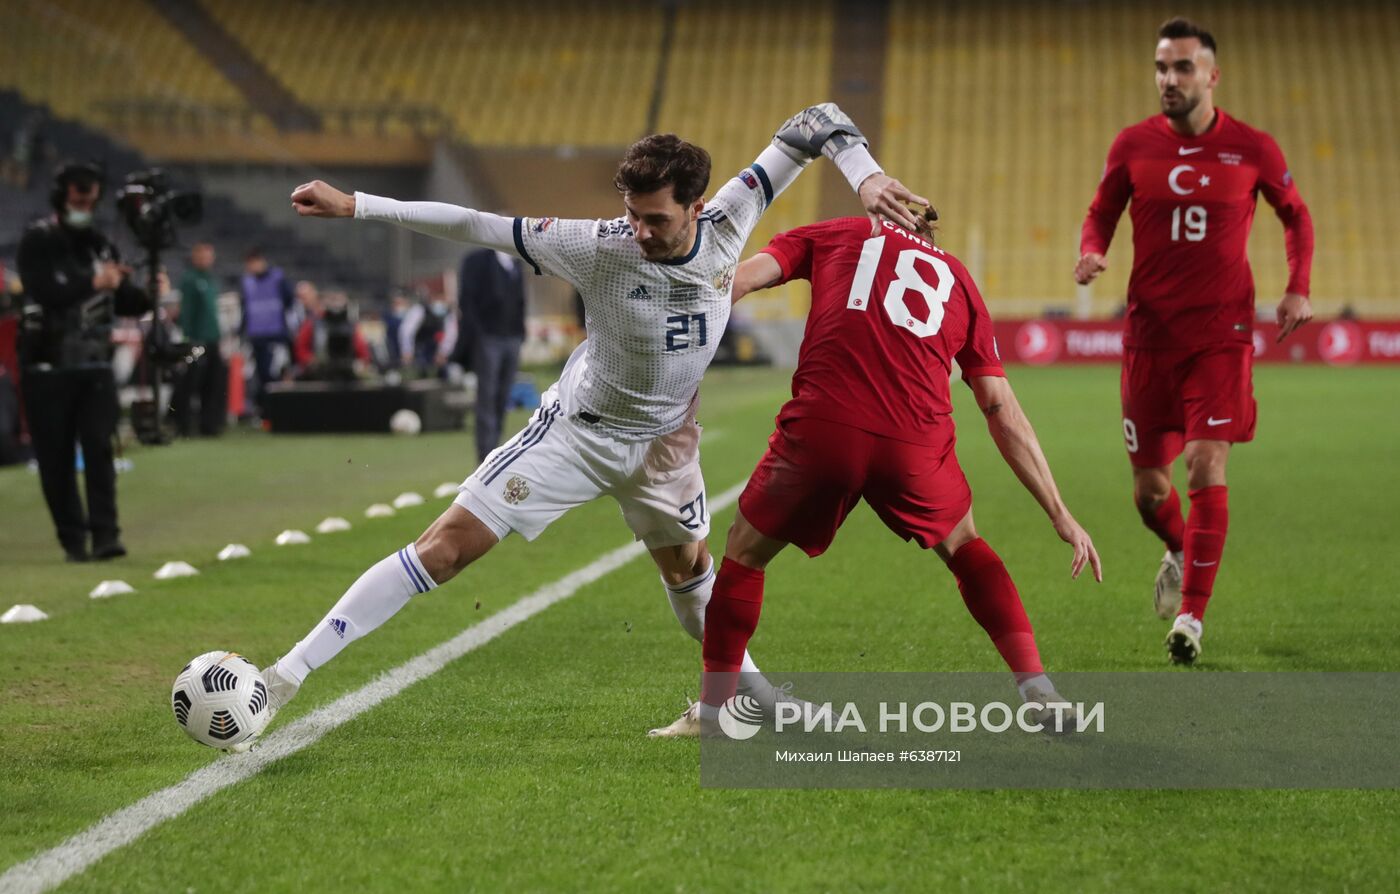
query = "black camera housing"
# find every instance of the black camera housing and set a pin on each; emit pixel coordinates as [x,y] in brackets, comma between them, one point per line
[152,208]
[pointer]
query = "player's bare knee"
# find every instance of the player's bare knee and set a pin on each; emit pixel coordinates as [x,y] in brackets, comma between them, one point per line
[441,553]
[682,563]
[1151,488]
[963,534]
[452,543]
[1148,501]
[700,560]
[1205,463]
[747,546]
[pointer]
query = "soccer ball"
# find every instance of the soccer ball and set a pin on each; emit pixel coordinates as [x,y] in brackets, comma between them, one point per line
[405,422]
[219,699]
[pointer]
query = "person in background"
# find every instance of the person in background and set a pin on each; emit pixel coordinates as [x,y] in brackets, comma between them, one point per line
[306,305]
[267,296]
[329,346]
[428,335]
[206,377]
[75,287]
[399,304]
[491,298]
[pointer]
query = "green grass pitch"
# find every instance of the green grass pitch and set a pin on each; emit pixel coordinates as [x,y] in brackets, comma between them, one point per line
[524,765]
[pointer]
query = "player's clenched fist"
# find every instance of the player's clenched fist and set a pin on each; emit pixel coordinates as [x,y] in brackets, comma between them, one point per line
[319,199]
[1089,267]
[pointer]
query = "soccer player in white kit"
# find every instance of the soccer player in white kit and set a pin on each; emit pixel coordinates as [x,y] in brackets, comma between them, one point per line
[621,419]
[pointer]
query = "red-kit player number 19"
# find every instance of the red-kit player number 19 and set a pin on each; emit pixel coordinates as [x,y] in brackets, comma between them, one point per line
[1192,174]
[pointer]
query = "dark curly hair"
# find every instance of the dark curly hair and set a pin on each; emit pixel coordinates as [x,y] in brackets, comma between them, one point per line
[662,160]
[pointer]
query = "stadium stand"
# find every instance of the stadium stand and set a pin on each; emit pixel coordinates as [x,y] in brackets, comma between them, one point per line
[729,84]
[230,228]
[548,73]
[107,63]
[1003,113]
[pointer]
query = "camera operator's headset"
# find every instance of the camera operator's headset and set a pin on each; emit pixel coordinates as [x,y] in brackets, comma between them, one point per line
[79,172]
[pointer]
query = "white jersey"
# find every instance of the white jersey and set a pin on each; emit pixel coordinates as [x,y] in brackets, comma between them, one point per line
[653,326]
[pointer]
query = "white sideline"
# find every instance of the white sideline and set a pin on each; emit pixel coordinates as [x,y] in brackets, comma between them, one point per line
[58,864]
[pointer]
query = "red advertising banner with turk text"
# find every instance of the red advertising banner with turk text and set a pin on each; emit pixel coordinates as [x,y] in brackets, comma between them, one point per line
[1333,342]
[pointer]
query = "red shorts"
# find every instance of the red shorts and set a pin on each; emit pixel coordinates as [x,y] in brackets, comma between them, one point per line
[1171,397]
[815,472]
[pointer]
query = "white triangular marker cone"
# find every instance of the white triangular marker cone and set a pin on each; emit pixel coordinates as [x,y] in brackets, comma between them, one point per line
[331,525]
[234,551]
[111,588]
[446,489]
[175,569]
[22,614]
[289,537]
[406,499]
[379,510]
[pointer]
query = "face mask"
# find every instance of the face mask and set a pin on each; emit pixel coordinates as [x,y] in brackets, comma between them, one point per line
[439,310]
[78,220]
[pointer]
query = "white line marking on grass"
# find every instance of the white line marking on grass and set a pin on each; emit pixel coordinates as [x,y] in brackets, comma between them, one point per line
[55,866]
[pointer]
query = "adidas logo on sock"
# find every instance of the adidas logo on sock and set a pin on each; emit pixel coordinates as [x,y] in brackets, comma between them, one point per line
[640,293]
[338,625]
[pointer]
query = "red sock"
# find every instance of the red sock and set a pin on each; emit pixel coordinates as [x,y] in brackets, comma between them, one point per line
[992,599]
[1205,542]
[730,620]
[1165,521]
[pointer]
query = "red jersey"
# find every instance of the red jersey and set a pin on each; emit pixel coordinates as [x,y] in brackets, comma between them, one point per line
[1193,202]
[889,316]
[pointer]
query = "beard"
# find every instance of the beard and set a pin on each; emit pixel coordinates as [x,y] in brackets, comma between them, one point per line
[660,251]
[1183,107]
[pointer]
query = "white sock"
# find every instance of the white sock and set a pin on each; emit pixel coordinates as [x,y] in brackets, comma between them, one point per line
[373,599]
[1039,681]
[688,601]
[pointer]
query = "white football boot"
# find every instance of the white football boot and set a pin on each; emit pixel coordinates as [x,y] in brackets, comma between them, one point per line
[768,696]
[1166,597]
[1052,705]
[1184,640]
[280,690]
[686,726]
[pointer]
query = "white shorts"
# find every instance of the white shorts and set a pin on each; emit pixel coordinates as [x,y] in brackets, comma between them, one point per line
[556,463]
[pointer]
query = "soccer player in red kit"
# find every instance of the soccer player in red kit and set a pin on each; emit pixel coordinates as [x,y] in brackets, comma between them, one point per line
[1193,174]
[870,418]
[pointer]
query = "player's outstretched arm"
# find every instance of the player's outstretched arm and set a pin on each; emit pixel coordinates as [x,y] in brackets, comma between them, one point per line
[824,129]
[437,219]
[1016,440]
[758,272]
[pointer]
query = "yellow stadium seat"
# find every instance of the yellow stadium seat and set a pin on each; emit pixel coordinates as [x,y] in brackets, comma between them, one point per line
[103,61]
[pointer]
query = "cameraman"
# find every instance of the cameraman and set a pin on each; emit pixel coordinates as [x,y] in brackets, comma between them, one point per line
[207,376]
[76,285]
